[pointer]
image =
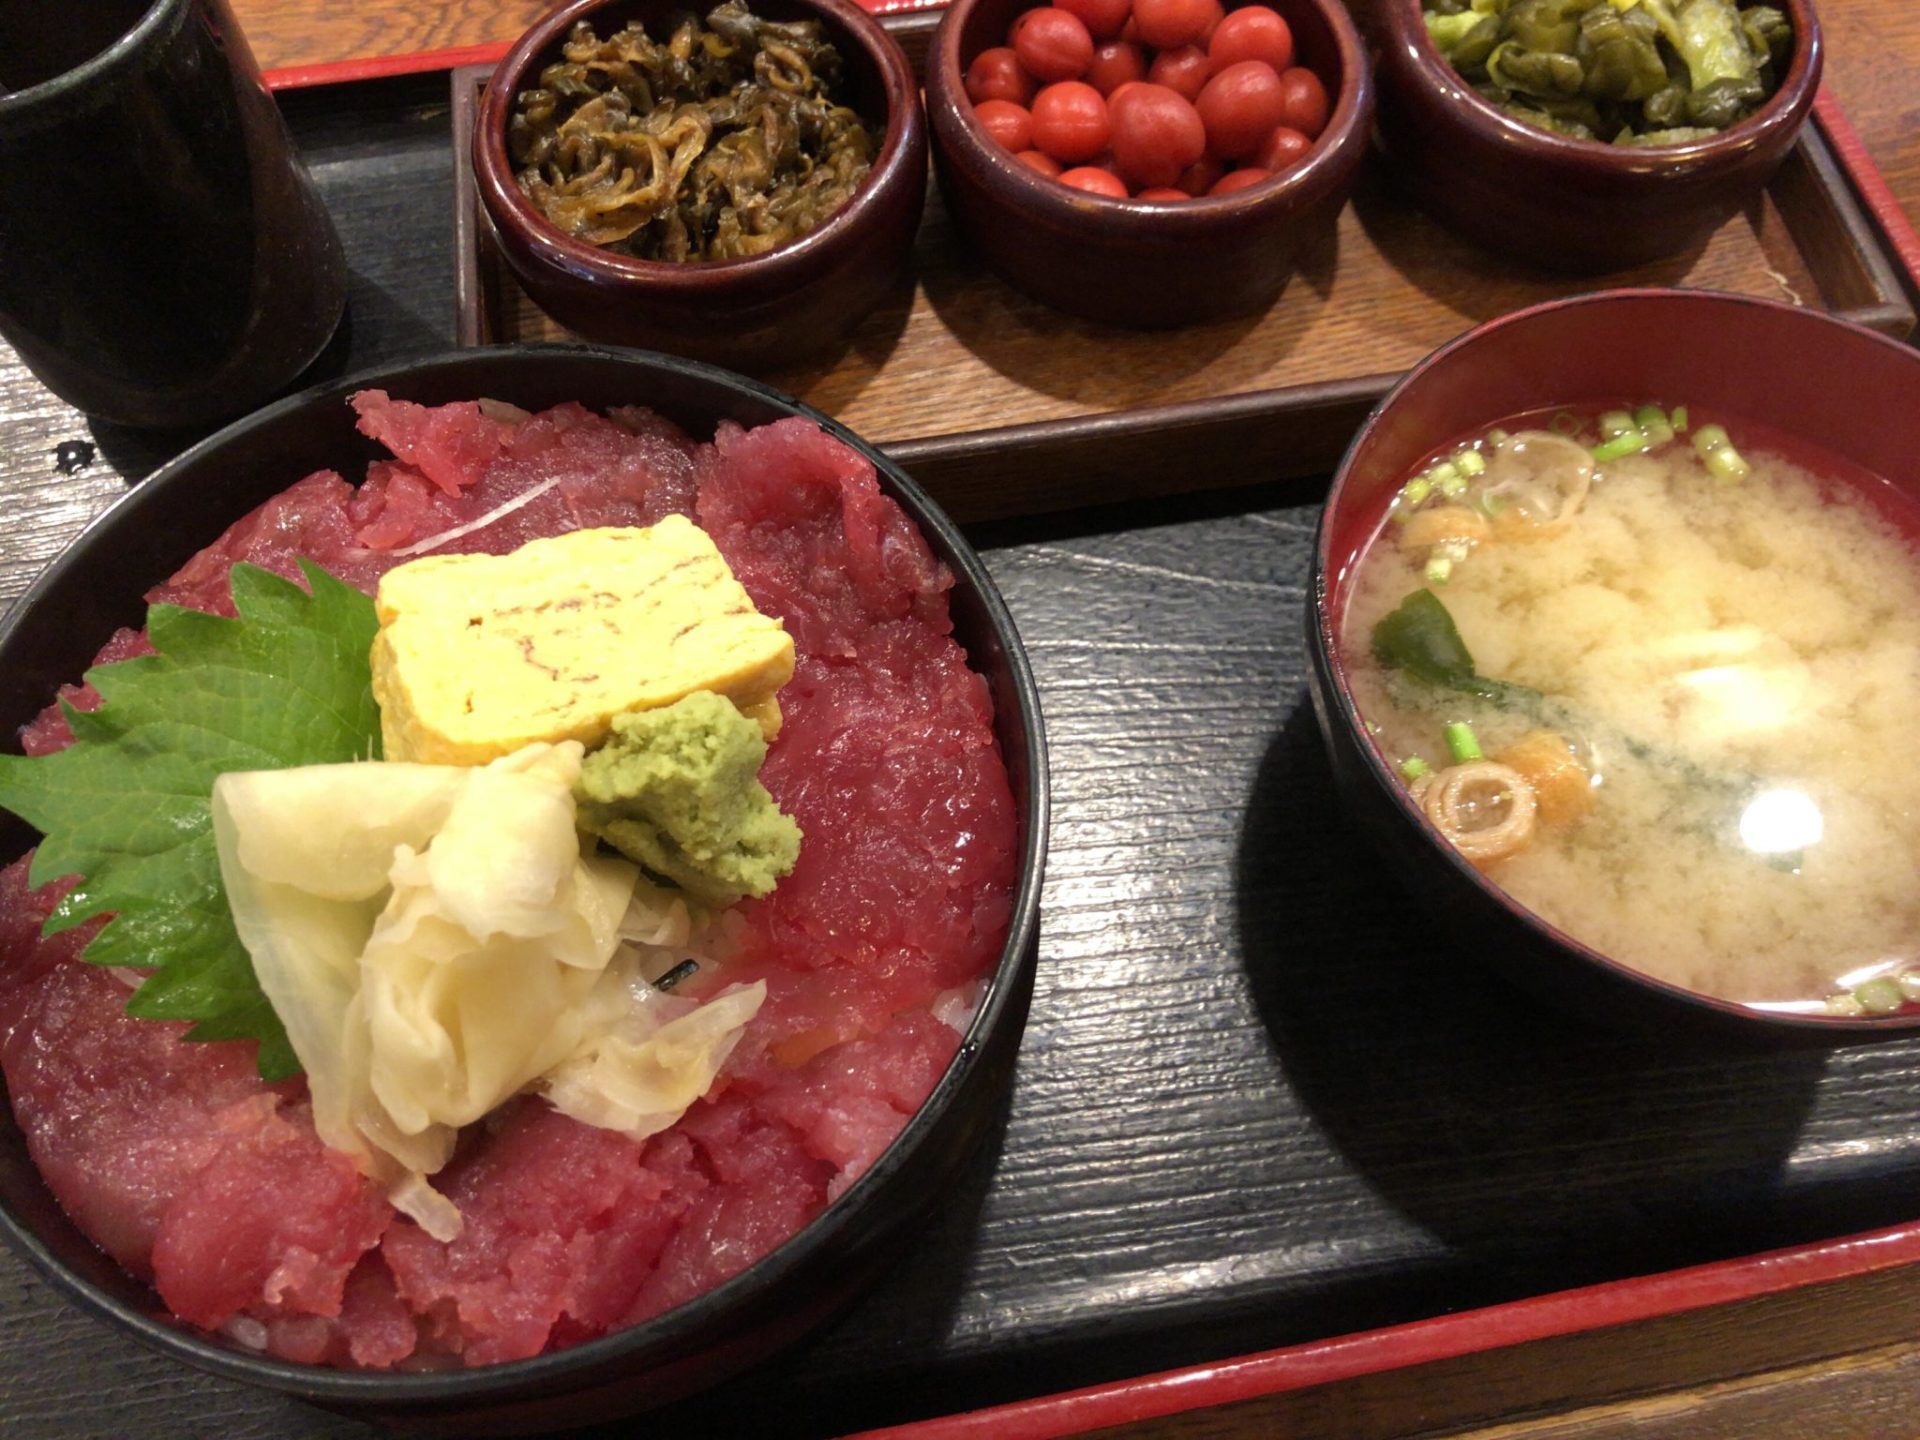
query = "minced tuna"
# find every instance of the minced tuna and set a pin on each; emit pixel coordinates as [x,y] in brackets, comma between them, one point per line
[194,1173]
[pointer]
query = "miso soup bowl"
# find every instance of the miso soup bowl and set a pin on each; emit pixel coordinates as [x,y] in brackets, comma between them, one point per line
[1579,206]
[50,636]
[799,298]
[1134,262]
[1837,387]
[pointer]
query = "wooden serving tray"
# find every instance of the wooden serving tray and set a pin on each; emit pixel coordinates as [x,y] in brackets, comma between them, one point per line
[1003,406]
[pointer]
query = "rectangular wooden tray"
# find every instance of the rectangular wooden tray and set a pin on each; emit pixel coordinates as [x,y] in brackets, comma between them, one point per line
[1002,406]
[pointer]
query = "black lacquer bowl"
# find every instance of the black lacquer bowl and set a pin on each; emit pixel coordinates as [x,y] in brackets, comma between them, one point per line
[51,636]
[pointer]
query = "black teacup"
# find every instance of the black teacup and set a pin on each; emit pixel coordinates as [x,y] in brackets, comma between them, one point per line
[164,258]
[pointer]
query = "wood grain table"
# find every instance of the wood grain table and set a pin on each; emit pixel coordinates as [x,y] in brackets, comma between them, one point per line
[1166,640]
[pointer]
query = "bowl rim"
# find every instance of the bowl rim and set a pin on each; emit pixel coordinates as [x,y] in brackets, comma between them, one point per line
[1326,640]
[124,49]
[1348,123]
[507,207]
[546,1374]
[1783,111]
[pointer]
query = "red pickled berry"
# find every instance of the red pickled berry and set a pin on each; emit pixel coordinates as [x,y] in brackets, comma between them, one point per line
[1281,149]
[1103,18]
[1239,107]
[1039,160]
[1253,32]
[1052,45]
[1159,193]
[1070,122]
[1201,176]
[1303,102]
[995,74]
[1240,179]
[1008,123]
[1169,24]
[1115,62]
[1157,134]
[1185,70]
[1093,178]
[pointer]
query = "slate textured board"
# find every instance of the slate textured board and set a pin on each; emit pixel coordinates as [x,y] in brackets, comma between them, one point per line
[1259,1101]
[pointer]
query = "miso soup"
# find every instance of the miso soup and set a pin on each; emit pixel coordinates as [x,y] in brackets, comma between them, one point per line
[1662,685]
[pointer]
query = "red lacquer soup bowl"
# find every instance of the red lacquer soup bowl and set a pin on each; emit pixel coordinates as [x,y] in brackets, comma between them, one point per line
[1841,391]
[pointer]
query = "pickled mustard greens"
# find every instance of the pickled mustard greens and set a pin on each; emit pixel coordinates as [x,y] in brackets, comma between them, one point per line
[718,143]
[1636,72]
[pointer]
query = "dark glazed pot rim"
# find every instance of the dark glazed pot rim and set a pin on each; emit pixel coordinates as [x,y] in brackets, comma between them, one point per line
[94,70]
[509,207]
[662,1337]
[1819,1028]
[1784,110]
[1346,126]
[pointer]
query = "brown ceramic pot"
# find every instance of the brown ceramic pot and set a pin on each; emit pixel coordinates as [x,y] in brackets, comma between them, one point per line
[796,299]
[1134,262]
[1579,206]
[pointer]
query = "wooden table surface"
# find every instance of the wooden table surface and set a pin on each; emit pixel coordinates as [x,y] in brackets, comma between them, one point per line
[1838,1362]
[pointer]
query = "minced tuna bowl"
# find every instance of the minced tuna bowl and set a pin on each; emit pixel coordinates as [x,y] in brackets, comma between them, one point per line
[193,1173]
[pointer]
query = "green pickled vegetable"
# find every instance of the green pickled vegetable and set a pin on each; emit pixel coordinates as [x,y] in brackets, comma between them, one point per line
[1623,53]
[1637,72]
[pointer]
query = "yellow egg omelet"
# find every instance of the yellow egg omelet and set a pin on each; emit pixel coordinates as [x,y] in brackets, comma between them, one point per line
[479,655]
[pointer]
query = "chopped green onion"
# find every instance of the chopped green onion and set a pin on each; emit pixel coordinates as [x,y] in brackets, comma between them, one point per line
[1413,767]
[1439,567]
[1471,462]
[1678,419]
[1616,422]
[1909,983]
[1723,462]
[1631,443]
[1416,490]
[1726,466]
[1491,505]
[1461,743]
[1496,437]
[1447,478]
[1654,424]
[1880,997]
[1844,1005]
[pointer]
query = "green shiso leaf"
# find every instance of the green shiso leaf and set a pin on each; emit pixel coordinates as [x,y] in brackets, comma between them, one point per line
[128,806]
